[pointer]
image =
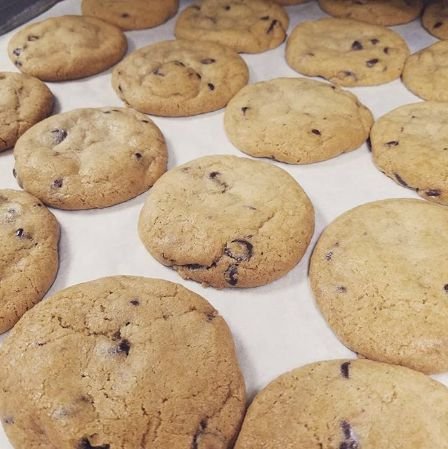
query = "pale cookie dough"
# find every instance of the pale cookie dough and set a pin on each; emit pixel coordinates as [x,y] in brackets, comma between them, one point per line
[227,221]
[66,47]
[347,52]
[410,145]
[131,14]
[435,19]
[379,276]
[180,78]
[121,362]
[29,236]
[378,12]
[296,120]
[90,158]
[247,26]
[426,72]
[348,404]
[24,101]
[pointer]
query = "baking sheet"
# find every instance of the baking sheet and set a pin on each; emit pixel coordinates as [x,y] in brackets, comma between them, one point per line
[276,327]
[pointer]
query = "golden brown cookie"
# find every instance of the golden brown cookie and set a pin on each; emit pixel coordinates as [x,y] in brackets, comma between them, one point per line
[435,19]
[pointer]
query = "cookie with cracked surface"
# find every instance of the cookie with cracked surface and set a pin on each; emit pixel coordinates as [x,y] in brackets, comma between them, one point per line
[348,404]
[426,74]
[90,158]
[435,19]
[347,52]
[247,26]
[296,120]
[29,236]
[131,15]
[24,101]
[180,78]
[378,273]
[409,145]
[377,12]
[67,47]
[143,363]
[218,220]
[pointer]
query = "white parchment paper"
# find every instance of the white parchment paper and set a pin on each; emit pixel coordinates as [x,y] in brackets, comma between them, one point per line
[276,327]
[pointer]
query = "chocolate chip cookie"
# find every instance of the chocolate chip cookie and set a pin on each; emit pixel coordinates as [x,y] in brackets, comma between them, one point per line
[180,78]
[347,52]
[24,101]
[410,146]
[435,19]
[227,221]
[296,120]
[66,47]
[378,12]
[131,14]
[90,158]
[121,362]
[348,404]
[29,236]
[247,26]
[379,276]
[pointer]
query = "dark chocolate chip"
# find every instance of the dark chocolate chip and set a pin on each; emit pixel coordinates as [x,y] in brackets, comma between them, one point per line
[33,37]
[125,15]
[17,51]
[372,62]
[345,370]
[386,50]
[211,315]
[197,435]
[445,287]
[438,24]
[58,135]
[85,444]
[138,156]
[329,255]
[401,180]
[271,26]
[341,289]
[134,302]
[216,177]
[8,420]
[350,441]
[231,275]
[120,89]
[208,61]
[20,233]
[227,8]
[244,109]
[194,266]
[211,86]
[57,183]
[392,143]
[316,131]
[265,18]
[433,192]
[357,45]
[374,41]
[124,346]
[145,121]
[239,249]
[18,64]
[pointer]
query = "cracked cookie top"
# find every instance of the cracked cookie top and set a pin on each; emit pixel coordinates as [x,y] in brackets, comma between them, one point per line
[66,47]
[90,158]
[227,221]
[121,362]
[29,236]
[348,404]
[379,276]
[247,26]
[24,101]
[180,78]
[347,52]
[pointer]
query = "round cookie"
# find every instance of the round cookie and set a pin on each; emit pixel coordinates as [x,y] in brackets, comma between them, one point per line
[409,145]
[296,120]
[29,236]
[180,78]
[220,221]
[66,47]
[378,273]
[377,12]
[435,19]
[247,26]
[131,15]
[347,52]
[121,362]
[90,158]
[348,404]
[426,74]
[24,101]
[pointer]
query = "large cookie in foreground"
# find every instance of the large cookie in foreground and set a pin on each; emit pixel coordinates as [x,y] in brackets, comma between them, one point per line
[29,236]
[121,362]
[348,404]
[379,276]
[227,221]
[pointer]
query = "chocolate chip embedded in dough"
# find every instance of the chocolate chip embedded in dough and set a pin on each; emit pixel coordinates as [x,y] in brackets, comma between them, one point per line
[239,249]
[231,275]
[345,370]
[357,45]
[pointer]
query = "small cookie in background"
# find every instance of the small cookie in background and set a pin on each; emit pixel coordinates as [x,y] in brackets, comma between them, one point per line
[435,19]
[378,273]
[66,47]
[227,221]
[24,101]
[180,78]
[131,14]
[90,158]
[377,12]
[296,120]
[410,146]
[347,52]
[29,236]
[121,362]
[425,73]
[348,404]
[246,26]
